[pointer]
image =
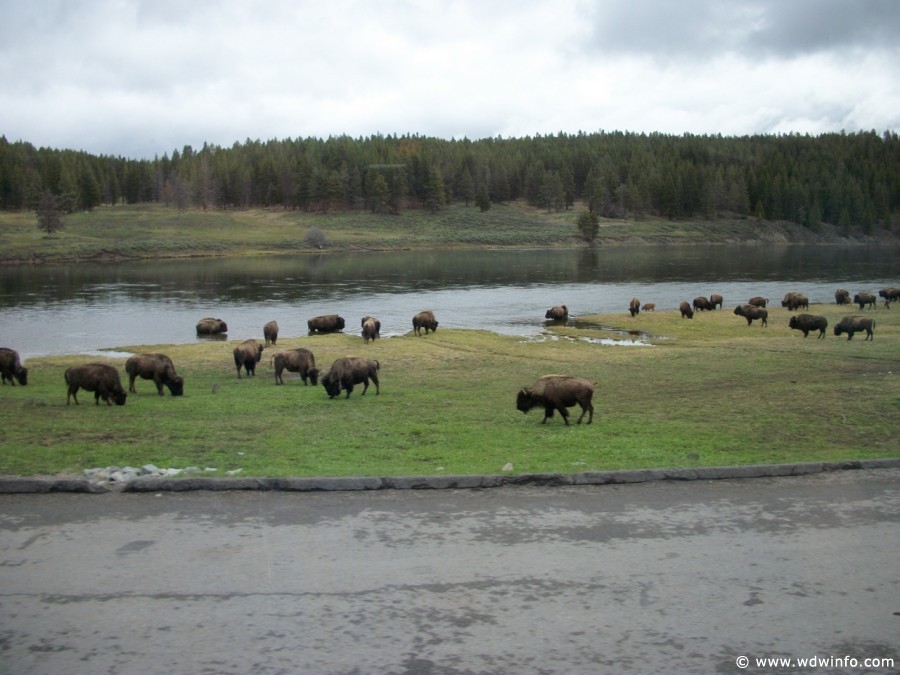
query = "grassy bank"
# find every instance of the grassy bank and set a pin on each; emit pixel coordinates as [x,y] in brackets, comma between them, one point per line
[711,391]
[154,231]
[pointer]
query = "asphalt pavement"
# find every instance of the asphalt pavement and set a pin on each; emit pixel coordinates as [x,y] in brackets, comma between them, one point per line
[653,577]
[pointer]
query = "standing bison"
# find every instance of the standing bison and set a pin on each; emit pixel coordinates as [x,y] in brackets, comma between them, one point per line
[686,311]
[716,301]
[100,378]
[557,313]
[889,295]
[424,320]
[327,323]
[856,324]
[247,355]
[270,333]
[794,300]
[557,392]
[371,328]
[808,322]
[210,326]
[298,360]
[11,367]
[648,307]
[701,304]
[348,371]
[634,307]
[864,300]
[758,301]
[842,296]
[751,312]
[156,367]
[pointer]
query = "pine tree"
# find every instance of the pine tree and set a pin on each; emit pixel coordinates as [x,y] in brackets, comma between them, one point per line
[435,194]
[49,219]
[588,225]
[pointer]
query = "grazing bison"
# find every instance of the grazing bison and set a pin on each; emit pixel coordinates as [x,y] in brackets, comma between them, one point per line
[758,301]
[889,295]
[842,296]
[100,378]
[348,371]
[424,320]
[648,307]
[634,307]
[808,322]
[156,367]
[686,310]
[557,313]
[298,360]
[863,299]
[557,392]
[794,300]
[371,328]
[327,323]
[11,367]
[856,324]
[210,326]
[715,301]
[247,355]
[270,333]
[701,303]
[751,312]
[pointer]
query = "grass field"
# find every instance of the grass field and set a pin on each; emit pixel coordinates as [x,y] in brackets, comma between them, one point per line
[710,391]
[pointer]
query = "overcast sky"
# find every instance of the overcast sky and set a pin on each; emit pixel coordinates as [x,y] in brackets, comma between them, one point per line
[141,78]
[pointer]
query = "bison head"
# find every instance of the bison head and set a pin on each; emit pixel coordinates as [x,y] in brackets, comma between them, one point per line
[793,322]
[119,397]
[524,400]
[332,384]
[22,375]
[176,385]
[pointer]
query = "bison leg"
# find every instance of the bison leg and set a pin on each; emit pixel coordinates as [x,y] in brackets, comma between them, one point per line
[564,413]
[131,379]
[159,385]
[870,335]
[377,387]
[586,407]
[73,392]
[548,413]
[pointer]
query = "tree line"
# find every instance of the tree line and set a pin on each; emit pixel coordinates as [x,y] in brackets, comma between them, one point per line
[851,180]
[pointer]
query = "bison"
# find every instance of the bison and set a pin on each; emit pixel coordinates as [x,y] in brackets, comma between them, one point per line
[716,301]
[270,333]
[557,313]
[210,326]
[701,303]
[634,307]
[247,355]
[889,295]
[11,367]
[328,323]
[648,307]
[808,322]
[865,299]
[424,320]
[100,378]
[298,360]
[557,392]
[371,328]
[686,310]
[842,296]
[855,324]
[751,312]
[348,371]
[794,300]
[758,301]
[156,367]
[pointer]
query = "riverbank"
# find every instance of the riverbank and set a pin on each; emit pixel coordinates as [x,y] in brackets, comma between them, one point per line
[154,231]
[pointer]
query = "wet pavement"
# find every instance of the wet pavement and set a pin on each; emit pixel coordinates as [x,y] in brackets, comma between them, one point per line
[653,577]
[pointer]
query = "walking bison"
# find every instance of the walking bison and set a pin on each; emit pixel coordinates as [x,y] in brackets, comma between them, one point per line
[100,378]
[424,320]
[794,300]
[557,392]
[298,360]
[856,324]
[156,367]
[247,355]
[327,323]
[809,322]
[11,367]
[371,328]
[348,371]
[686,311]
[751,312]
[634,307]
[557,313]
[210,326]
[270,333]
[865,300]
[889,295]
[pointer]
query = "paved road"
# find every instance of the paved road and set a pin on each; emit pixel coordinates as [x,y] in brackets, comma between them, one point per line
[653,577]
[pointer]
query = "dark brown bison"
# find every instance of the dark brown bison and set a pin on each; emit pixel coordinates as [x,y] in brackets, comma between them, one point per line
[889,295]
[842,296]
[758,301]
[210,326]
[634,307]
[156,367]
[856,324]
[298,360]
[686,310]
[865,299]
[100,378]
[270,333]
[348,371]
[701,304]
[424,320]
[808,322]
[794,300]
[751,312]
[371,328]
[648,307]
[247,355]
[327,323]
[715,301]
[11,367]
[557,313]
[557,392]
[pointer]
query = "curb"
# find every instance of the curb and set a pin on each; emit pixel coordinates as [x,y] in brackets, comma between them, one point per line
[23,485]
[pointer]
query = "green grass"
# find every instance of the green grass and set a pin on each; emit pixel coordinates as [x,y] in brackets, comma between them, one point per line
[710,391]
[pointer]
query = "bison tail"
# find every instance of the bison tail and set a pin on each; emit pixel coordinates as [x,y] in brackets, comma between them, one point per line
[378,365]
